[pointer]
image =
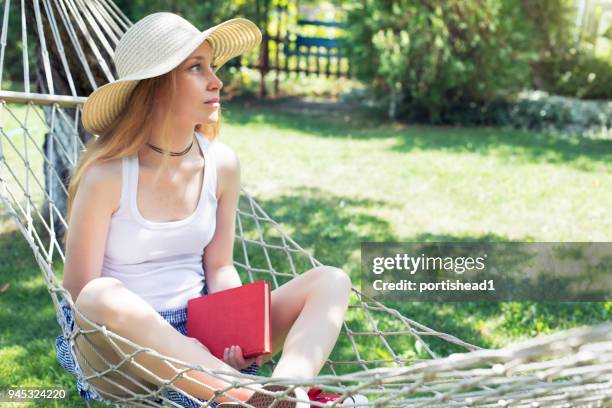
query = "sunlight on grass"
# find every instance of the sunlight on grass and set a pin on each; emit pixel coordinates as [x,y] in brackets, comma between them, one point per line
[19,146]
[430,181]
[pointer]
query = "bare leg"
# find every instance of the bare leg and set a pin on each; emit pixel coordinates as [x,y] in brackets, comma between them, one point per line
[108,302]
[307,315]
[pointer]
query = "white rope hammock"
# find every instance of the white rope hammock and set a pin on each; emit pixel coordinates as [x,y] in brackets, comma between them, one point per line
[380,352]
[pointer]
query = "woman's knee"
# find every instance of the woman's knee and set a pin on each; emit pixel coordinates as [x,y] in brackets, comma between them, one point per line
[99,300]
[333,278]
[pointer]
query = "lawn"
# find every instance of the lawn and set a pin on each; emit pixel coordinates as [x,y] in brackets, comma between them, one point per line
[335,178]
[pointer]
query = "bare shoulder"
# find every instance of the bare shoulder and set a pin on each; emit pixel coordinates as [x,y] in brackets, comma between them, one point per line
[105,180]
[224,155]
[228,166]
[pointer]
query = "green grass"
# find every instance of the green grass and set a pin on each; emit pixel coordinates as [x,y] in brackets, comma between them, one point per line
[335,179]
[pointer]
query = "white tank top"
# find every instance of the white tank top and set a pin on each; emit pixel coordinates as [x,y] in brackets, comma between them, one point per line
[161,261]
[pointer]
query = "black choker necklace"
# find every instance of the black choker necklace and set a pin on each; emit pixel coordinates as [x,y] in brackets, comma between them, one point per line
[162,151]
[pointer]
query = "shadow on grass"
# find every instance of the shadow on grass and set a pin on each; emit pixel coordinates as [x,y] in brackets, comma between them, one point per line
[493,324]
[331,227]
[326,224]
[581,153]
[332,233]
[359,123]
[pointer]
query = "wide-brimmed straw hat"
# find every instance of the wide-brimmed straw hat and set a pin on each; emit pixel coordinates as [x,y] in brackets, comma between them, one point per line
[154,46]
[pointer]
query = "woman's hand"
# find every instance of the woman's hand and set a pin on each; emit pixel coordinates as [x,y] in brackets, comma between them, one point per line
[233,356]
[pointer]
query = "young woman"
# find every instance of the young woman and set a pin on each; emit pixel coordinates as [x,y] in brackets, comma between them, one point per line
[152,206]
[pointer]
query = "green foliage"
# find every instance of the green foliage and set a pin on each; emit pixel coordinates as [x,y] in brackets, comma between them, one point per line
[439,60]
[576,72]
[202,14]
[392,60]
[451,52]
[567,64]
[552,22]
[537,110]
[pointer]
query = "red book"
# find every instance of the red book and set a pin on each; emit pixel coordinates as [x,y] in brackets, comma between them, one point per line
[239,315]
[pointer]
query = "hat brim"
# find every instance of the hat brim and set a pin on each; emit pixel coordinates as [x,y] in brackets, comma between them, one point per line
[229,39]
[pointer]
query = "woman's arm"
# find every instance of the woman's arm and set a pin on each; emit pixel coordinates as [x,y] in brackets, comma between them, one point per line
[96,198]
[218,259]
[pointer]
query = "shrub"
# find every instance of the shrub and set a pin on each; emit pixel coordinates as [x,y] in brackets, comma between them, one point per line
[578,73]
[537,110]
[452,52]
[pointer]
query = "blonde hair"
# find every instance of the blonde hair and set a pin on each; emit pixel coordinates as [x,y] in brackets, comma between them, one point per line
[130,131]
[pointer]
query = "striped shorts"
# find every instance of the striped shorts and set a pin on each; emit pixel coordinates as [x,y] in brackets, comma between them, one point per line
[65,356]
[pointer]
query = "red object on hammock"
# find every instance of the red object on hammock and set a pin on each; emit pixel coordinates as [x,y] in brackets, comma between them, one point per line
[314,394]
[239,315]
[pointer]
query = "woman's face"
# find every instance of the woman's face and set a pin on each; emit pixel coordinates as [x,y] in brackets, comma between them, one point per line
[197,83]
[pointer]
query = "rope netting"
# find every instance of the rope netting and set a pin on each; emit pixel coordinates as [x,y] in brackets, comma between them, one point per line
[380,353]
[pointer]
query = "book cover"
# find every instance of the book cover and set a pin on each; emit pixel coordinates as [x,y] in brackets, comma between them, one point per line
[239,315]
